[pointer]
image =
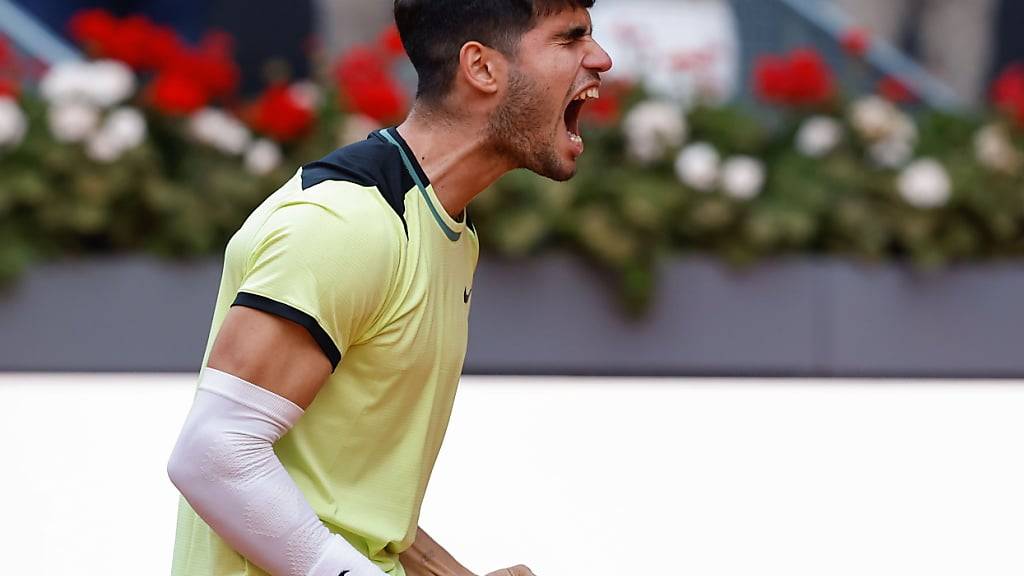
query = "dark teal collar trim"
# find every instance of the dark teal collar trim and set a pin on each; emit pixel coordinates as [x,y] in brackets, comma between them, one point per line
[416,172]
[404,146]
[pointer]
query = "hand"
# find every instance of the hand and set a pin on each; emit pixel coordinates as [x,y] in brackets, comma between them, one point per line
[513,571]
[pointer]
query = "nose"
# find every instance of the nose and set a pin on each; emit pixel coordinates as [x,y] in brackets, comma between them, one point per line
[597,59]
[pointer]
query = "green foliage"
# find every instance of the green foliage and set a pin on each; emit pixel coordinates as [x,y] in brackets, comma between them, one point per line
[175,197]
[625,216]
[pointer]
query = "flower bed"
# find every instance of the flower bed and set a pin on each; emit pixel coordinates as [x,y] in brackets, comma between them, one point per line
[148,147]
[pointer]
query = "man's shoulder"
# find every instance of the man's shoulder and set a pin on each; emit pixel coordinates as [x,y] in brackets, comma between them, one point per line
[372,163]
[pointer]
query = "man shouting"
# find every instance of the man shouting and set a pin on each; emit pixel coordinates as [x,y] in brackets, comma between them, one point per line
[341,324]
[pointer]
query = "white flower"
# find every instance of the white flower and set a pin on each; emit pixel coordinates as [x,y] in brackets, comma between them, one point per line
[892,152]
[743,177]
[220,130]
[124,129]
[995,151]
[127,126]
[652,128]
[64,81]
[877,119]
[925,184]
[72,121]
[111,83]
[103,83]
[307,93]
[263,157]
[872,117]
[356,128]
[697,166]
[890,134]
[103,147]
[13,123]
[818,136]
[903,128]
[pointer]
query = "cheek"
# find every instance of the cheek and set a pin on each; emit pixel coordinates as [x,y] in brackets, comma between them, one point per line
[556,72]
[563,73]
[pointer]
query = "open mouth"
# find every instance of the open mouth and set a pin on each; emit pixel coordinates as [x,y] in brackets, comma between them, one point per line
[572,113]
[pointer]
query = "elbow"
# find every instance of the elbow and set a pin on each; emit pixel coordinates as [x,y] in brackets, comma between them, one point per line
[178,470]
[182,469]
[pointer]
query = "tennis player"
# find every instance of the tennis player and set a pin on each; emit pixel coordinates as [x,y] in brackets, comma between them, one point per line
[340,327]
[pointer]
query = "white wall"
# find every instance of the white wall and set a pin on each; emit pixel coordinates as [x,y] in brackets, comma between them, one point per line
[705,478]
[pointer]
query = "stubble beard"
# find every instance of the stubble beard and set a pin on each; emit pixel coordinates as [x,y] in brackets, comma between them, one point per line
[519,131]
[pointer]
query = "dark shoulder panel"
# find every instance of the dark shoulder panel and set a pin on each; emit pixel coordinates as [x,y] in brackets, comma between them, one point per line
[372,163]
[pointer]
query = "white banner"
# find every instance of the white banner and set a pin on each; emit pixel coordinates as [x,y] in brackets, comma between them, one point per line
[682,49]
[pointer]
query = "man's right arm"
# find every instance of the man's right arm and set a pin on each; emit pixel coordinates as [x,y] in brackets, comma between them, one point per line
[262,373]
[273,353]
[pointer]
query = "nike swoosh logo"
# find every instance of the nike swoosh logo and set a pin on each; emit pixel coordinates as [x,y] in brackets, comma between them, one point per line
[343,572]
[466,294]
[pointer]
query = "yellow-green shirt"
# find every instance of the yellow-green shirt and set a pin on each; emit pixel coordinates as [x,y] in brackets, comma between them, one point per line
[358,250]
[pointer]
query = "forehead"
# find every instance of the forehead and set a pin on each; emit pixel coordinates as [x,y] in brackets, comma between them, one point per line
[549,26]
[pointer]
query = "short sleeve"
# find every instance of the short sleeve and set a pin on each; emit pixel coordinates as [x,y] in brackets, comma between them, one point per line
[325,270]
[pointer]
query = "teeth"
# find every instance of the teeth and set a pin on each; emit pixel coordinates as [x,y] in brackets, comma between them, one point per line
[575,138]
[589,93]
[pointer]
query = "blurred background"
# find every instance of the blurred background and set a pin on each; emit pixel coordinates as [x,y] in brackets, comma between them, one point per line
[772,326]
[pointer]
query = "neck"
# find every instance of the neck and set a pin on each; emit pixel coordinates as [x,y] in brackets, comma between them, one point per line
[455,156]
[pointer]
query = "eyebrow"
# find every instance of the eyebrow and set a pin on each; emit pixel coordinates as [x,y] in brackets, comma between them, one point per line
[575,33]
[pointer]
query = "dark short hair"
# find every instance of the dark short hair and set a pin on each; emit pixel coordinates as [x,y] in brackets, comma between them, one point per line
[434,32]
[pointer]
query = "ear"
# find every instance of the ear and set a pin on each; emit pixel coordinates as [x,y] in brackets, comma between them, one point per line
[481,67]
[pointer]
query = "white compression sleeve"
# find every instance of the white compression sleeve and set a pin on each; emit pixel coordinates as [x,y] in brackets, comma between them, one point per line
[225,466]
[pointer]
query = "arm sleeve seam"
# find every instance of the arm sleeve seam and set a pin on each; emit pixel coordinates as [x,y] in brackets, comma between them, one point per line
[290,312]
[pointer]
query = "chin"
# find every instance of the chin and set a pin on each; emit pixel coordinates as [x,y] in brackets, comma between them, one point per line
[553,167]
[559,173]
[563,175]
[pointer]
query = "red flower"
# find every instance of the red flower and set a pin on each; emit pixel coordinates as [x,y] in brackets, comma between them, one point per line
[216,71]
[210,65]
[185,75]
[9,87]
[771,75]
[280,115]
[163,48]
[895,90]
[391,42]
[368,87]
[130,42]
[1008,92]
[799,79]
[177,94]
[607,109]
[856,42]
[810,77]
[360,65]
[136,40]
[383,102]
[93,29]
[604,111]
